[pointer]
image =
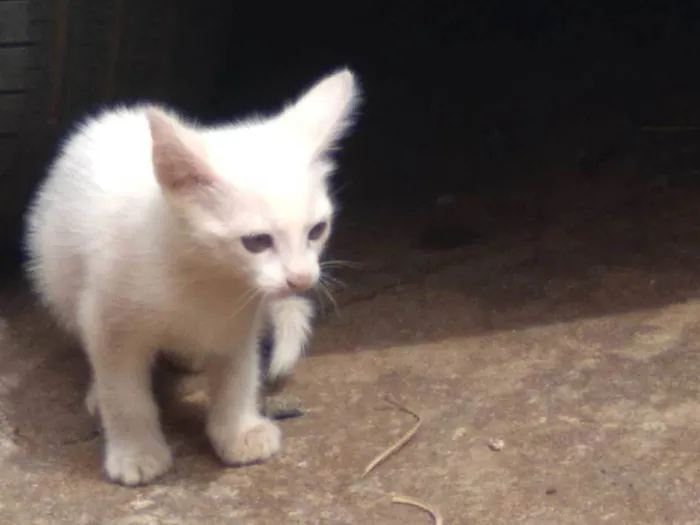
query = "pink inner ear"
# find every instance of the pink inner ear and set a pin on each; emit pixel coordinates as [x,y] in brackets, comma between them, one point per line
[178,155]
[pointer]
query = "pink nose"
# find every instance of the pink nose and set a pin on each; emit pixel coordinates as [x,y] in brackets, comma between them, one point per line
[299,282]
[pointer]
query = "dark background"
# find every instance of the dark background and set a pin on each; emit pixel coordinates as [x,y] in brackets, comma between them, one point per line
[482,100]
[463,96]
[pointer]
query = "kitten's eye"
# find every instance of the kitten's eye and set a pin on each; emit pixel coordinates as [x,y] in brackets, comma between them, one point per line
[317,231]
[257,243]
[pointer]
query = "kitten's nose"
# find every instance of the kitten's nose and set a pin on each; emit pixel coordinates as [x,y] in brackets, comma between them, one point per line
[299,281]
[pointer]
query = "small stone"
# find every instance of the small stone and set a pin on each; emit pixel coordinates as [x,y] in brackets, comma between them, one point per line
[140,504]
[283,407]
[496,444]
[459,433]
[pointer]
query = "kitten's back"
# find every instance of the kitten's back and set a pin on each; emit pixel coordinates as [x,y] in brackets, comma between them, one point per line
[106,159]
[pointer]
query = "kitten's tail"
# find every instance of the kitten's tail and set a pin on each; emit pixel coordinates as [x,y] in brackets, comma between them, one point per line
[290,319]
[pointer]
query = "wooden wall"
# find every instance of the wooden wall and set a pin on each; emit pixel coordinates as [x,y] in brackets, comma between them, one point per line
[60,59]
[19,71]
[15,45]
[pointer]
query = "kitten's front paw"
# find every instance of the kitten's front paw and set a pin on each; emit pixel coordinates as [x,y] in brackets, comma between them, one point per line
[254,444]
[138,463]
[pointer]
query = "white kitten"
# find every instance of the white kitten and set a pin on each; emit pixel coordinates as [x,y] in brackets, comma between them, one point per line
[151,232]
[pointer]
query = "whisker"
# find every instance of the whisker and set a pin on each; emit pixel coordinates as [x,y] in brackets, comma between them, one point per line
[330,297]
[333,280]
[243,301]
[319,300]
[338,263]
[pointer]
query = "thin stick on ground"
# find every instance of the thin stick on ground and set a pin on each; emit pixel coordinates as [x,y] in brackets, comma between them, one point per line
[400,443]
[403,500]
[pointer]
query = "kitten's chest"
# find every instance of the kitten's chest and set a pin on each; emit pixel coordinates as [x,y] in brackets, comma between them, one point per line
[212,324]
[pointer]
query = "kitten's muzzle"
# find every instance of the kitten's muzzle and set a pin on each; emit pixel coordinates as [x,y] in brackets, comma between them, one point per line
[300,282]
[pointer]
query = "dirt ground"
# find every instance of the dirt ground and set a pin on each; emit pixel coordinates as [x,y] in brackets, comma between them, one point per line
[572,338]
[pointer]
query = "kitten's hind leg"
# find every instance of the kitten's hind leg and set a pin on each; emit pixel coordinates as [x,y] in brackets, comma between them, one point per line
[135,449]
[290,320]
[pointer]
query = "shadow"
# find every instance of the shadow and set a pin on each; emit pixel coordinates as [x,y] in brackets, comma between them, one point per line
[562,186]
[623,253]
[591,211]
[43,377]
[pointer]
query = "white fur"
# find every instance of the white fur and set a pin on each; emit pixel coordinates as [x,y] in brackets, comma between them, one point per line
[291,321]
[135,244]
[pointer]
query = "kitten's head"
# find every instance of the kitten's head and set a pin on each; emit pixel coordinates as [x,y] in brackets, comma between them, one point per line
[253,197]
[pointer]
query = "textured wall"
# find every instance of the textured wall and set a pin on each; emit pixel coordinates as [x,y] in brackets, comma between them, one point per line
[60,59]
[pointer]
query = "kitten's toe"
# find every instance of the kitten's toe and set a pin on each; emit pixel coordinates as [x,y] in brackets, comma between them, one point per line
[137,464]
[256,443]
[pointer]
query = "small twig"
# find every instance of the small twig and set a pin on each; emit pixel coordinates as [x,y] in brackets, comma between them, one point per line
[670,128]
[403,500]
[400,443]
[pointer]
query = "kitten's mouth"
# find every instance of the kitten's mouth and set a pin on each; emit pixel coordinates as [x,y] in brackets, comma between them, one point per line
[282,293]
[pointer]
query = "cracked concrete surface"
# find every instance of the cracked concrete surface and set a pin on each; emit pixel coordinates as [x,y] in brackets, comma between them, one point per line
[574,341]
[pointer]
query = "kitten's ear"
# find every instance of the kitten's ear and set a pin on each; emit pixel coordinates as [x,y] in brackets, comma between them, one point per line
[325,111]
[179,159]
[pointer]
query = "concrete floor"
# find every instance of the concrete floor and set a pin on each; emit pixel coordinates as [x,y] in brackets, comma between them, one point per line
[573,339]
